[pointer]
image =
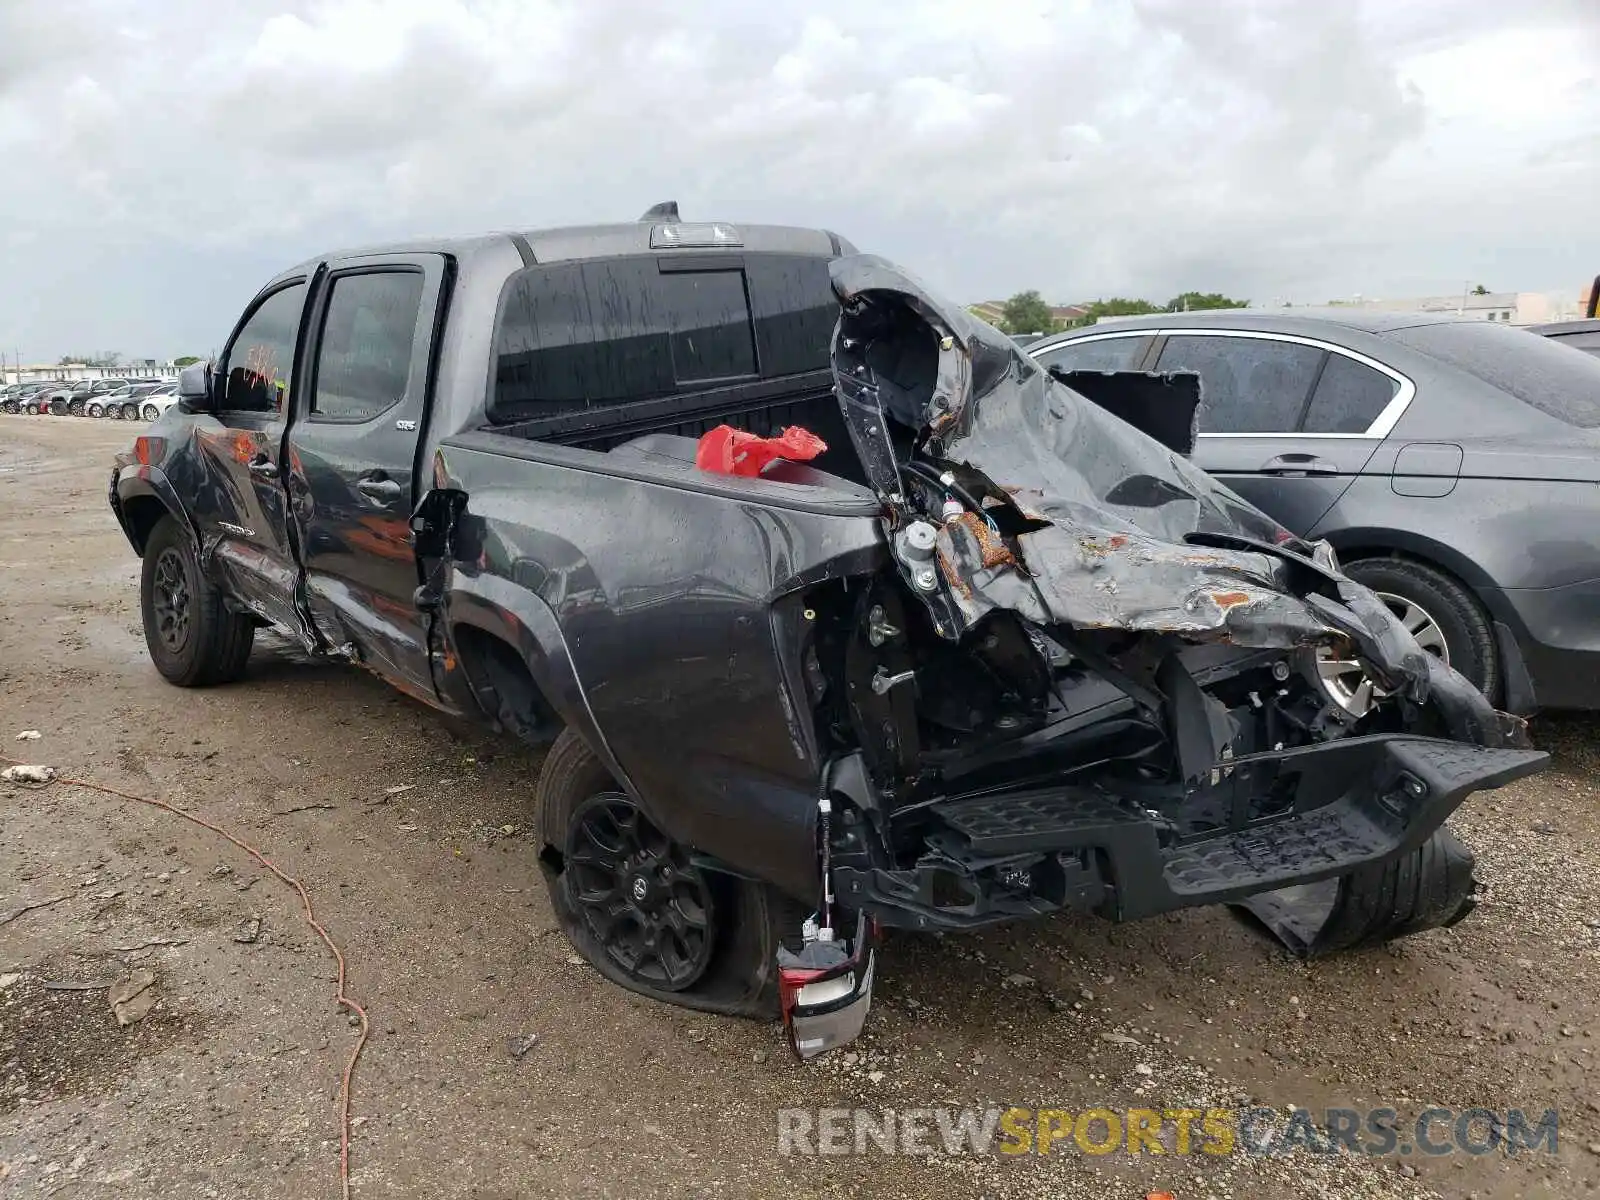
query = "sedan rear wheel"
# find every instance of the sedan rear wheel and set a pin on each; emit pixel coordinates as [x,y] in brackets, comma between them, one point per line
[1348,682]
[96,410]
[1439,612]
[130,412]
[75,408]
[114,411]
[151,412]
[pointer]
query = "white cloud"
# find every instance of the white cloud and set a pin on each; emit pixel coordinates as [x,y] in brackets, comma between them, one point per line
[1262,147]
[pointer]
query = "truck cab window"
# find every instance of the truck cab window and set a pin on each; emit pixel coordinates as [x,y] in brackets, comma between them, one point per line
[261,360]
[369,335]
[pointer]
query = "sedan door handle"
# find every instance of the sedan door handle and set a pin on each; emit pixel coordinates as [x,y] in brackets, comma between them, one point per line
[263,467]
[1298,464]
[378,487]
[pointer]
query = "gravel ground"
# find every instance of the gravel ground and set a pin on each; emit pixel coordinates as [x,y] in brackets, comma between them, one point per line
[228,1085]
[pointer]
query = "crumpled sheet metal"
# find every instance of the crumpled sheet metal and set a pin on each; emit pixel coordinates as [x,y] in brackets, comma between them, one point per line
[1112,508]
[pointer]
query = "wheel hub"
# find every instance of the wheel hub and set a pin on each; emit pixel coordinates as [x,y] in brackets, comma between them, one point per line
[171,600]
[644,904]
[1347,681]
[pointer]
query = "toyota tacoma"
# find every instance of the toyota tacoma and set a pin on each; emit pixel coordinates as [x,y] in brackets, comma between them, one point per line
[997,649]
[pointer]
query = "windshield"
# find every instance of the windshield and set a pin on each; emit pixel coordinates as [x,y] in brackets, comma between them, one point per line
[1560,381]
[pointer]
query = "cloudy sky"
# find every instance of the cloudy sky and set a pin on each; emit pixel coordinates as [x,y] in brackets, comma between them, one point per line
[160,158]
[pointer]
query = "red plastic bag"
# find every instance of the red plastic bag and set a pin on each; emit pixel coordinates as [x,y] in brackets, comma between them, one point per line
[734,452]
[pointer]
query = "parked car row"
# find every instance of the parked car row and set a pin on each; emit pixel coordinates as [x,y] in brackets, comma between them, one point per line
[113,399]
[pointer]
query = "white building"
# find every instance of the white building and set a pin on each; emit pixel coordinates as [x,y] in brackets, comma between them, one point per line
[1511,308]
[147,368]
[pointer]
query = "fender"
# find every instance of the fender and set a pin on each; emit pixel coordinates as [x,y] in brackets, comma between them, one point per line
[522,619]
[134,481]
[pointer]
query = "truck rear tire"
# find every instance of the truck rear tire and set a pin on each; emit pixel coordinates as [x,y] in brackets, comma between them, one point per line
[629,887]
[194,639]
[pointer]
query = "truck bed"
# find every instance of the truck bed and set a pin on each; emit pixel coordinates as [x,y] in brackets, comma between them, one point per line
[763,408]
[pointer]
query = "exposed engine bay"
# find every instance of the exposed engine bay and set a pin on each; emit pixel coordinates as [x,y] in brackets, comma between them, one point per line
[1090,681]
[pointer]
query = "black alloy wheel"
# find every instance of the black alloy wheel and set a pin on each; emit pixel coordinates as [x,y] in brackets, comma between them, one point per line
[172,600]
[635,891]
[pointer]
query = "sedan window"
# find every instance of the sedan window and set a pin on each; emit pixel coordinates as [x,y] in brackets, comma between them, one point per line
[1589,342]
[1558,380]
[1095,354]
[1349,397]
[1247,385]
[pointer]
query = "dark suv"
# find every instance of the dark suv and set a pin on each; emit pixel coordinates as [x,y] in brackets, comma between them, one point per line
[1454,464]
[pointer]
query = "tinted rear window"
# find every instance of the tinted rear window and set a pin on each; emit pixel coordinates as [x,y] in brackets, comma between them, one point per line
[1581,341]
[1096,354]
[1349,397]
[574,337]
[1247,385]
[1558,380]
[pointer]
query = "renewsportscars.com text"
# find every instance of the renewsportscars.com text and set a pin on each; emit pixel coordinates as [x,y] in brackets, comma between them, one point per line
[1015,1131]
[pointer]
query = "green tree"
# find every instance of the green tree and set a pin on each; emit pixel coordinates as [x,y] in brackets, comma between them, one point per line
[186,360]
[1117,306]
[1195,301]
[1026,312]
[1480,290]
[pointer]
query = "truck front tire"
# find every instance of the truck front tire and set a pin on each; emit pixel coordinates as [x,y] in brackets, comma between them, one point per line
[194,639]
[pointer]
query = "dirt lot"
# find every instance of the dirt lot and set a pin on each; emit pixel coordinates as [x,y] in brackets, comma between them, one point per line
[228,1087]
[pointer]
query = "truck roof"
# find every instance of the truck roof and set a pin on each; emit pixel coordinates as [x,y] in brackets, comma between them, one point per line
[658,231]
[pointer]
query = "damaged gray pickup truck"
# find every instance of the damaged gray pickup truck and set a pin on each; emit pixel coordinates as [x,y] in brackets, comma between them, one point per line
[999,651]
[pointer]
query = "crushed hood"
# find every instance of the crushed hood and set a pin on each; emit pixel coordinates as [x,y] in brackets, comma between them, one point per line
[1089,523]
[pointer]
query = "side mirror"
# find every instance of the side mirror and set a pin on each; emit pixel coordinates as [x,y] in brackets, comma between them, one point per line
[194,389]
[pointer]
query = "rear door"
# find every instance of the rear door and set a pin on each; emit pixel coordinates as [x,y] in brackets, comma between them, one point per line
[240,504]
[1286,421]
[351,454]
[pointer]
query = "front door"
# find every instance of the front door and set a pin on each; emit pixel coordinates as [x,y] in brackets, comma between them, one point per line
[1286,422]
[239,505]
[352,459]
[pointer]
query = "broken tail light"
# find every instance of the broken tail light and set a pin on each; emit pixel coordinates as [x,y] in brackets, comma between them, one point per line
[825,991]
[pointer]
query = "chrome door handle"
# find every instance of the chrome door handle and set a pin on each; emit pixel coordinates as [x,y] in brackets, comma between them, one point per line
[1298,464]
[379,489]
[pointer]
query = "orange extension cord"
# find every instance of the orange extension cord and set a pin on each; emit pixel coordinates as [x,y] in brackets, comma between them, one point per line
[311,920]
